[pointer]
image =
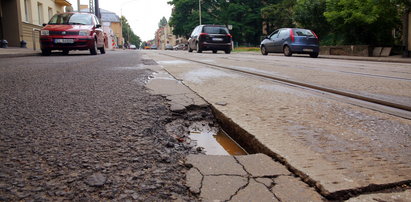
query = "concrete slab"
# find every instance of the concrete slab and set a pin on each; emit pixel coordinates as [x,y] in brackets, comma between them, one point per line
[288,188]
[260,165]
[376,52]
[404,196]
[254,192]
[221,188]
[216,165]
[194,180]
[386,51]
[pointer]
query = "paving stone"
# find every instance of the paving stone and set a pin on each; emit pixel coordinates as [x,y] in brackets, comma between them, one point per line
[194,179]
[289,188]
[216,165]
[378,197]
[221,187]
[254,192]
[260,165]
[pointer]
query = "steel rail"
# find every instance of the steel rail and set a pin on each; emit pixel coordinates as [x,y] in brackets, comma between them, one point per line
[307,85]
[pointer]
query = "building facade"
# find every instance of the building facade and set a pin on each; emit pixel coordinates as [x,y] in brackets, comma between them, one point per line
[18,18]
[112,27]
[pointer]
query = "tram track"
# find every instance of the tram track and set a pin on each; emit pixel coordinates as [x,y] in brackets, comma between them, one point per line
[396,109]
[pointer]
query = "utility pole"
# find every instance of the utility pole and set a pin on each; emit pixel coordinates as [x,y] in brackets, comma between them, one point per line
[78,5]
[97,9]
[199,10]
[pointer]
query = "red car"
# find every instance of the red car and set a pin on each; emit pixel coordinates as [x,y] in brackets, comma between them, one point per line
[72,31]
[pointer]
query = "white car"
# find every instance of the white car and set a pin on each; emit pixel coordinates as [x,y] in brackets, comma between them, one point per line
[133,46]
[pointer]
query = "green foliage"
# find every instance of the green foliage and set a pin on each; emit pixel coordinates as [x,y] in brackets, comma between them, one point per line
[363,21]
[278,15]
[128,34]
[163,22]
[309,14]
[334,21]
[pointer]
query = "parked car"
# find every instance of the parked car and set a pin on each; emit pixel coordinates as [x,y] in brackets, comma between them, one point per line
[181,46]
[72,31]
[153,47]
[210,37]
[291,40]
[132,46]
[169,47]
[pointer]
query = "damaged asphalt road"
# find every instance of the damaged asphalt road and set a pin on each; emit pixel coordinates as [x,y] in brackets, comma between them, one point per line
[85,128]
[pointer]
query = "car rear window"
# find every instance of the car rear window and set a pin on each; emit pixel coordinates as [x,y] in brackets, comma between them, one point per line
[71,19]
[215,30]
[303,32]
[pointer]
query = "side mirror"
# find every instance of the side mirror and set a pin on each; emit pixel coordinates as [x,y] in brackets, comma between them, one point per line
[98,26]
[44,24]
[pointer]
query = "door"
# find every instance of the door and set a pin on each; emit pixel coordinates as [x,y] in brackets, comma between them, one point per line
[269,45]
[280,40]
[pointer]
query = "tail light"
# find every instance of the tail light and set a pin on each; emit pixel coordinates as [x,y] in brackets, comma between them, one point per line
[203,34]
[315,34]
[229,35]
[292,35]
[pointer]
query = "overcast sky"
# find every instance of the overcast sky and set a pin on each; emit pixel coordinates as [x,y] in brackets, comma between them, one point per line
[143,15]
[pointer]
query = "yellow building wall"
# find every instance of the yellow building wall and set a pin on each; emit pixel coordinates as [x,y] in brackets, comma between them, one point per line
[34,21]
[116,27]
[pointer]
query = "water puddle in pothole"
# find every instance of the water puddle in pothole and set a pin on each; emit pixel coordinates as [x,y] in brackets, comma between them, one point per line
[214,141]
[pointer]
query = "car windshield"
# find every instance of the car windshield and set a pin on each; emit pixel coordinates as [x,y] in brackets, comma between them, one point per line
[71,19]
[303,32]
[215,30]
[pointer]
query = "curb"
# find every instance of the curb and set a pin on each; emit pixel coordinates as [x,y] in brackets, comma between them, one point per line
[19,55]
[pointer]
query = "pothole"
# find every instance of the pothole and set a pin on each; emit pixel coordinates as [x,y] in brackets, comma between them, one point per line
[213,140]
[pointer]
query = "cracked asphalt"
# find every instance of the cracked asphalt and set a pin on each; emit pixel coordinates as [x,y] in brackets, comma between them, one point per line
[85,128]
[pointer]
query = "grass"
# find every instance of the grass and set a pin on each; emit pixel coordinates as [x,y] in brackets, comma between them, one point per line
[246,49]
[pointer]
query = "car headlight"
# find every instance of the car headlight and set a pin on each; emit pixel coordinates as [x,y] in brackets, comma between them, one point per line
[45,32]
[84,33]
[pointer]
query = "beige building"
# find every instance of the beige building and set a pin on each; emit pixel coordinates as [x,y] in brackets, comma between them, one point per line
[18,18]
[164,36]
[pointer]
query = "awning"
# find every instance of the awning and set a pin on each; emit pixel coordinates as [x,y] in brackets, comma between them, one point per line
[63,2]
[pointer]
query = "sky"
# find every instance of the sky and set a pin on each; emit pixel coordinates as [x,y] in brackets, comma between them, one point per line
[142,15]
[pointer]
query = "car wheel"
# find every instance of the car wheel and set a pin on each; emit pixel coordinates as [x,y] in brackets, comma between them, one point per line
[102,50]
[66,52]
[189,49]
[228,51]
[93,50]
[263,50]
[314,55]
[214,51]
[287,51]
[45,52]
[198,48]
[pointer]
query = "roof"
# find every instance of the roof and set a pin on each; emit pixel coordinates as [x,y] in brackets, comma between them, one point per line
[106,16]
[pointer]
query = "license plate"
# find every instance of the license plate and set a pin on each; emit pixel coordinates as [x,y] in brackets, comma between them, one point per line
[63,41]
[308,50]
[217,39]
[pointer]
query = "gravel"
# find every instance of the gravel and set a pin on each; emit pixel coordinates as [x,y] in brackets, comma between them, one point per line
[85,128]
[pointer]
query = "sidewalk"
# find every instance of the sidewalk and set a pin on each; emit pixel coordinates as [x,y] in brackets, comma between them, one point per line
[394,59]
[18,52]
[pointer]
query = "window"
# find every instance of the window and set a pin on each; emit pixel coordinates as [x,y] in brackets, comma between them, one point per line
[40,13]
[283,33]
[50,12]
[274,35]
[27,10]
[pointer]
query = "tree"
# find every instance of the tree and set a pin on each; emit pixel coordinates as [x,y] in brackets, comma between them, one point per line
[278,15]
[363,21]
[163,22]
[309,14]
[128,34]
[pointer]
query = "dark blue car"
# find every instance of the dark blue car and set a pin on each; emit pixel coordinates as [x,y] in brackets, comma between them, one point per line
[291,40]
